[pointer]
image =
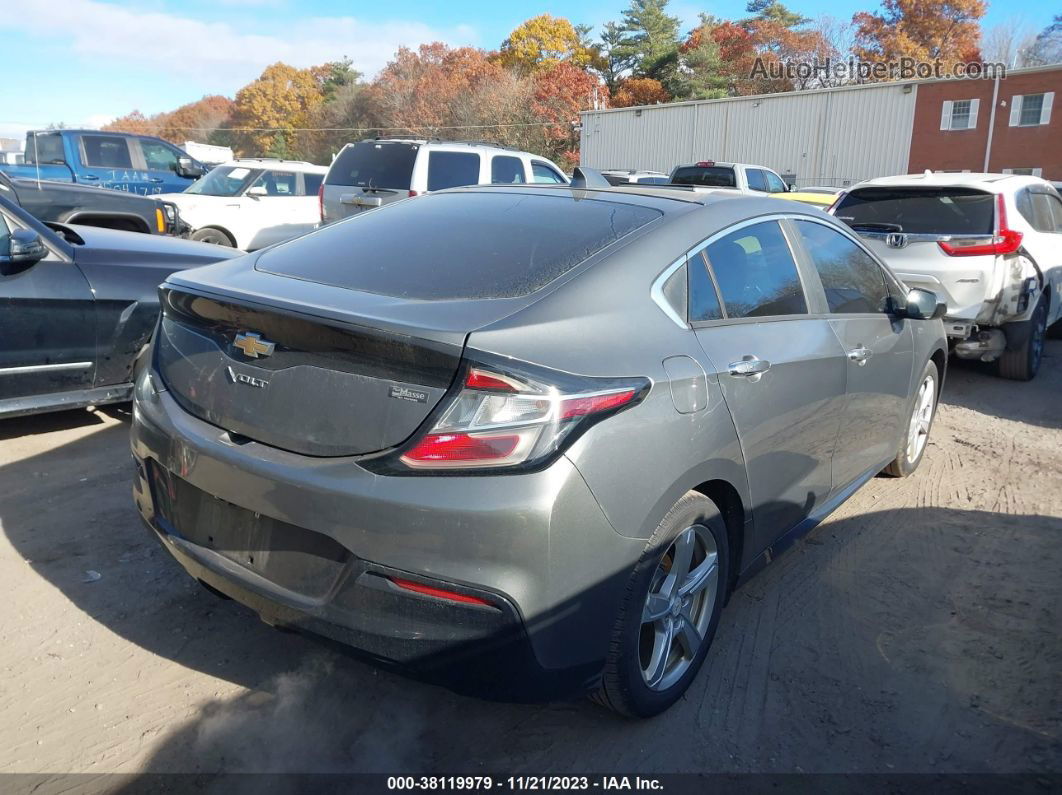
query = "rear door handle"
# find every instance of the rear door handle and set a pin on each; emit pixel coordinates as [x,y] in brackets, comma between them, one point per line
[89,177]
[750,366]
[860,355]
[156,179]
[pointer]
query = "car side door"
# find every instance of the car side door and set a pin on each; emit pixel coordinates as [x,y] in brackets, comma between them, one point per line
[158,160]
[107,162]
[780,368]
[269,210]
[878,345]
[47,321]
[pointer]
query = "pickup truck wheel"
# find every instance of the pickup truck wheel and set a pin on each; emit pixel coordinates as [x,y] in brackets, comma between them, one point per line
[669,613]
[919,424]
[215,236]
[1022,363]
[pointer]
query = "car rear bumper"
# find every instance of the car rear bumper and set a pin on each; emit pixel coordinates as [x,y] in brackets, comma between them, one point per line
[316,544]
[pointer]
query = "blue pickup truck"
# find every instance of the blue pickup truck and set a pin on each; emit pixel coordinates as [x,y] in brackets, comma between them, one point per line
[134,163]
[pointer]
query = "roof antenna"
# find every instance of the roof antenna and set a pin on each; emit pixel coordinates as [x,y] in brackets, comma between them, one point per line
[587,178]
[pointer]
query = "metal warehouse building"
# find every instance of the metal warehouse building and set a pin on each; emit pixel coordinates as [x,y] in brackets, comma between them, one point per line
[839,136]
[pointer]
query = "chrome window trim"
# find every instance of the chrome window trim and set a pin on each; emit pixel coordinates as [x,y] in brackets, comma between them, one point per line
[42,368]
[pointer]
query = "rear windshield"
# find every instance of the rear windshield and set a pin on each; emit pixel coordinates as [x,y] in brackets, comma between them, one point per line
[465,245]
[374,164]
[710,176]
[932,211]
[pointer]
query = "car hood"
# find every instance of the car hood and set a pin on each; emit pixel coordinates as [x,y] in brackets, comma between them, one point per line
[119,245]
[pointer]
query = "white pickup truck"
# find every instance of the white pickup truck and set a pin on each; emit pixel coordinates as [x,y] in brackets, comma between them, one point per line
[742,177]
[989,245]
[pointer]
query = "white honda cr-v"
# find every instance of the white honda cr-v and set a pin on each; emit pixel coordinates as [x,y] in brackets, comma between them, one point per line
[990,245]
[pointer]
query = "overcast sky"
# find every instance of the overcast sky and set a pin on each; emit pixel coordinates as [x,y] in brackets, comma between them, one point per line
[83,62]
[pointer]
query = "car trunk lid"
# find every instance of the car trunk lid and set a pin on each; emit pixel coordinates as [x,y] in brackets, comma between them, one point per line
[308,384]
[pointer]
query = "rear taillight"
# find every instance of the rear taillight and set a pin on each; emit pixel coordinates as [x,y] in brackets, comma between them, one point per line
[506,416]
[320,201]
[1005,240]
[413,193]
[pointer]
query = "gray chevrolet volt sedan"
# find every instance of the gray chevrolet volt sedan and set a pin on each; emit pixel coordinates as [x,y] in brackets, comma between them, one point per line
[509,436]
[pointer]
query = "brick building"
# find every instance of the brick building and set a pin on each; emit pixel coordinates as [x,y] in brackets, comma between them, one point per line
[990,125]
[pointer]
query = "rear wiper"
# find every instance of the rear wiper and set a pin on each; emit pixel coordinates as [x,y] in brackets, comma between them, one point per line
[877,227]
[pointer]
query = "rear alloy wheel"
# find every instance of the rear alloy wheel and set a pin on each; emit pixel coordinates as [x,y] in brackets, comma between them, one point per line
[919,425]
[670,611]
[1022,363]
[215,236]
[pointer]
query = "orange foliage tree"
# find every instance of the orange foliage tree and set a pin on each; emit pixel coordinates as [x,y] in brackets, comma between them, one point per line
[639,91]
[949,32]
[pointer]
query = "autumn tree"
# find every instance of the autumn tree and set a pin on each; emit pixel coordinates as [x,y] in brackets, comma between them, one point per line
[560,92]
[272,107]
[196,121]
[639,91]
[543,41]
[136,123]
[948,32]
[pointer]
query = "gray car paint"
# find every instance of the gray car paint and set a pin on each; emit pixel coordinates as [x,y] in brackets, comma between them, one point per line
[558,542]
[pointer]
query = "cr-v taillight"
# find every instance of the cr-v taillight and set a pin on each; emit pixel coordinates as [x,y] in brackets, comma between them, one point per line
[320,201]
[1005,240]
[513,416]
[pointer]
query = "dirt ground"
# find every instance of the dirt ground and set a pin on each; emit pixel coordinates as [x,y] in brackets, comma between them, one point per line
[918,630]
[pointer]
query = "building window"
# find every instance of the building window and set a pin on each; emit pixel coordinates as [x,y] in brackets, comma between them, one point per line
[1031,110]
[960,114]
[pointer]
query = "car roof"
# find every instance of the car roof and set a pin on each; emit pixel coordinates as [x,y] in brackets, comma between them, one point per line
[273,162]
[666,198]
[442,142]
[993,183]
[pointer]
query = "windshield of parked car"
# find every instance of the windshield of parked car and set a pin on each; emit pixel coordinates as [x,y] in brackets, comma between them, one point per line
[465,245]
[224,181]
[374,164]
[917,210]
[707,176]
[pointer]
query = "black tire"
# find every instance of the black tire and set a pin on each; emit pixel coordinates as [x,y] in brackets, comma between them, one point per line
[1023,363]
[904,465]
[623,686]
[215,236]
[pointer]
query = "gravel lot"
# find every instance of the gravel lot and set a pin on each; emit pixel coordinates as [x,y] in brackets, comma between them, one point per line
[918,630]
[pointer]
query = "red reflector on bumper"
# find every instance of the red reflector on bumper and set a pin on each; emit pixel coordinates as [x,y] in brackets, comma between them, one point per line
[439,593]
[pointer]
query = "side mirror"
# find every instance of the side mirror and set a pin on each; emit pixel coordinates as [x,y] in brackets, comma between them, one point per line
[923,305]
[186,167]
[792,187]
[21,249]
[257,192]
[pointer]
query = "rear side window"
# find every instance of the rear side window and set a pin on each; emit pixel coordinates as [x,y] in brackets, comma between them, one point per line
[544,174]
[704,302]
[933,211]
[708,176]
[452,169]
[374,164]
[757,181]
[756,274]
[44,148]
[505,170]
[1043,211]
[106,151]
[466,246]
[851,278]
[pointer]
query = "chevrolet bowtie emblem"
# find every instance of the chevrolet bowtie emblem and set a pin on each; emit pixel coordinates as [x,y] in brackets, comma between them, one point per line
[253,345]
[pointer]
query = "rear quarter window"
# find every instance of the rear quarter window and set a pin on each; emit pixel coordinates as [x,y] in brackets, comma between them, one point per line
[941,211]
[467,245]
[452,169]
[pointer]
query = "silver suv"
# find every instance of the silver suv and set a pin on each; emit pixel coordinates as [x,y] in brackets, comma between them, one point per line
[372,173]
